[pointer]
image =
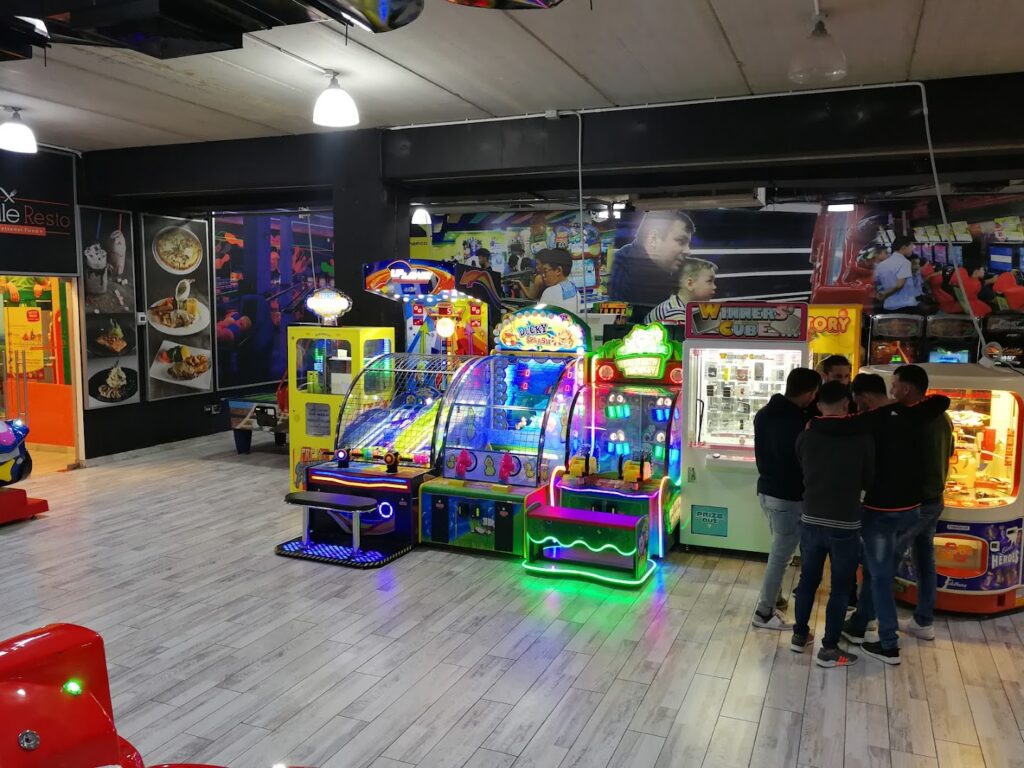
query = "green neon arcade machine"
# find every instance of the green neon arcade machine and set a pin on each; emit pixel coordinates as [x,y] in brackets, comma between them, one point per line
[505,431]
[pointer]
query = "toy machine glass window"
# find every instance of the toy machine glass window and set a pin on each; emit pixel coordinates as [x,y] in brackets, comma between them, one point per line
[730,386]
[984,470]
[399,411]
[323,366]
[378,381]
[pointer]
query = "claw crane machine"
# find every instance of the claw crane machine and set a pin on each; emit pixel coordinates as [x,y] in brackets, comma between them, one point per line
[736,356]
[978,537]
[834,329]
[322,363]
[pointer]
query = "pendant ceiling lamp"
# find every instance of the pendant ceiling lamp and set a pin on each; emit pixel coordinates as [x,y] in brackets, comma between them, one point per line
[335,108]
[818,59]
[421,216]
[15,136]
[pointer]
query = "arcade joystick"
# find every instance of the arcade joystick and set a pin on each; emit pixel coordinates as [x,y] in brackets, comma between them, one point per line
[391,461]
[582,465]
[622,466]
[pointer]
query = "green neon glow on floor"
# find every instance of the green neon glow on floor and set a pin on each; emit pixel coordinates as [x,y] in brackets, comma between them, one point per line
[554,569]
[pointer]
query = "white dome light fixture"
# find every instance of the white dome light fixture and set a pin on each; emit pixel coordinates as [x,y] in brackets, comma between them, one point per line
[818,59]
[421,216]
[16,136]
[335,108]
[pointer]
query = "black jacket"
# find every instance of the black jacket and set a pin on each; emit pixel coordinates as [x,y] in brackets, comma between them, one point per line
[836,470]
[899,433]
[776,428]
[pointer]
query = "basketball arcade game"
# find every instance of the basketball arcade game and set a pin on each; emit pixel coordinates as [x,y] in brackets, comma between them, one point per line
[623,453]
[737,355]
[384,448]
[504,431]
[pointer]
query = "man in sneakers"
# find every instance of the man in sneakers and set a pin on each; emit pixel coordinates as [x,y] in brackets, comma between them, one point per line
[891,505]
[910,383]
[780,485]
[836,470]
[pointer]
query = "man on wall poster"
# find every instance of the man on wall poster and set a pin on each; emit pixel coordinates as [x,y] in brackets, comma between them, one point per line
[643,269]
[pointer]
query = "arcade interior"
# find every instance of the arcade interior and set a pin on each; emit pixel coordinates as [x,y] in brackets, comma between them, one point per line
[359,409]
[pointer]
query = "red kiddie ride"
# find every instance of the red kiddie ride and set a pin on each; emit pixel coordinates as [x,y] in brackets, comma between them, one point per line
[55,708]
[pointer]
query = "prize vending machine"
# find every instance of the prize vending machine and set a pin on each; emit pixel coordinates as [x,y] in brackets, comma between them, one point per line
[834,329]
[441,314]
[896,339]
[978,540]
[504,432]
[951,339]
[623,453]
[737,355]
[322,364]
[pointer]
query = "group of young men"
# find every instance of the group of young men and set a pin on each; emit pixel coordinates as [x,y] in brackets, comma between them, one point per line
[848,473]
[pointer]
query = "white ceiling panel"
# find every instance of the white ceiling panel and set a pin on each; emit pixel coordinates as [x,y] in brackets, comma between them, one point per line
[978,37]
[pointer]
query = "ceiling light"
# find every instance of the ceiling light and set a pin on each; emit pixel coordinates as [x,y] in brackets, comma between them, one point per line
[39,24]
[15,136]
[840,207]
[818,59]
[421,217]
[335,108]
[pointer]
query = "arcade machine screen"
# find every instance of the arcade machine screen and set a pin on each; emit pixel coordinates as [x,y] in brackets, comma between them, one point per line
[951,339]
[1007,330]
[895,339]
[730,386]
[1000,258]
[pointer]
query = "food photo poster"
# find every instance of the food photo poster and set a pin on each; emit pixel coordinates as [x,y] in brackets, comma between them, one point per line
[176,274]
[107,252]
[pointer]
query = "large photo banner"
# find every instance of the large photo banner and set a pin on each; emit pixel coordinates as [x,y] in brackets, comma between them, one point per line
[108,308]
[176,274]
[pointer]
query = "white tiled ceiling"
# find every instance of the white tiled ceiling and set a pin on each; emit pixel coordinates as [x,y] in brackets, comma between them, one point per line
[456,62]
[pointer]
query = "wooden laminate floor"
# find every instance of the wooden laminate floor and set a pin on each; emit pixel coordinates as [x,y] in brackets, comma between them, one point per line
[221,652]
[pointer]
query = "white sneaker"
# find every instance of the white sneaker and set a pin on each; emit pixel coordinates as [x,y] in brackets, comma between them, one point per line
[871,632]
[912,628]
[776,621]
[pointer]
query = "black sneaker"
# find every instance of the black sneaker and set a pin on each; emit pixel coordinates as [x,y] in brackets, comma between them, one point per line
[835,657]
[798,642]
[884,655]
[782,603]
[852,634]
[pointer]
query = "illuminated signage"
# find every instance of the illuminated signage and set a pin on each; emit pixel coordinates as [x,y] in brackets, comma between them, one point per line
[328,304]
[399,278]
[541,330]
[643,352]
[753,320]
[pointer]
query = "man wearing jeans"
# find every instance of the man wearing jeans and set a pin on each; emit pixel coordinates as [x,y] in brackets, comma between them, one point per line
[837,469]
[909,386]
[891,505]
[780,485]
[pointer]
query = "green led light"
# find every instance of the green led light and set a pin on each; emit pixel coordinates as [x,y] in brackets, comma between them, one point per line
[557,543]
[72,688]
[552,569]
[658,452]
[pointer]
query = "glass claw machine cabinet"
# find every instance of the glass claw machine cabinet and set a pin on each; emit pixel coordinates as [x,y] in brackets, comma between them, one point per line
[834,329]
[322,364]
[737,355]
[978,539]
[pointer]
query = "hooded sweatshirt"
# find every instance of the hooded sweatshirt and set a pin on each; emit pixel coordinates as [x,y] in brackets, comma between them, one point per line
[776,428]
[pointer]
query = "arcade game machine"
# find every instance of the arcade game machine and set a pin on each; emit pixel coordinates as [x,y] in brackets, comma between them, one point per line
[1007,330]
[896,338]
[322,360]
[623,451]
[505,431]
[951,339]
[441,317]
[737,355]
[834,329]
[384,449]
[978,540]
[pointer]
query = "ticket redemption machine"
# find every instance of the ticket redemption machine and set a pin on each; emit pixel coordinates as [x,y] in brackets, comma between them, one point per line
[978,540]
[896,338]
[384,450]
[834,329]
[951,339]
[504,432]
[623,453]
[737,355]
[441,317]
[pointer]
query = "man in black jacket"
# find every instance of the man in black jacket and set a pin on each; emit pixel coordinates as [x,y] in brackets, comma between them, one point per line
[780,484]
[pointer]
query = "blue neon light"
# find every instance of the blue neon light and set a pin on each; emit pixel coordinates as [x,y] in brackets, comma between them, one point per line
[334,552]
[385,510]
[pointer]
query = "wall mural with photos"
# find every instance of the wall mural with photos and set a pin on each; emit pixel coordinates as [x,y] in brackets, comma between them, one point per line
[179,337]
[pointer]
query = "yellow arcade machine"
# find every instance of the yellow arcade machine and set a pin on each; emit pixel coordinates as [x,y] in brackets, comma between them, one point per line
[323,361]
[736,356]
[834,329]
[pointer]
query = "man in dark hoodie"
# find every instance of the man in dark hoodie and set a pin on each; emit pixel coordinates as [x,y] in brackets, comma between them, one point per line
[892,504]
[780,485]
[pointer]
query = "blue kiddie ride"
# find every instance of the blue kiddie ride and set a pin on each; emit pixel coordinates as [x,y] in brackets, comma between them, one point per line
[16,465]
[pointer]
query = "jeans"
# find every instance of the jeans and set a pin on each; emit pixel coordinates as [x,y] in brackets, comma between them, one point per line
[921,538]
[784,522]
[881,532]
[842,547]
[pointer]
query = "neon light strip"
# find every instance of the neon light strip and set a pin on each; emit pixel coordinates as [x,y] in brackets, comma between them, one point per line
[660,512]
[400,486]
[608,492]
[554,540]
[552,569]
[559,471]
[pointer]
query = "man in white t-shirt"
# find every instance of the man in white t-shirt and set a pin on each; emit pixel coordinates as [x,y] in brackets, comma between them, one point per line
[552,285]
[893,276]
